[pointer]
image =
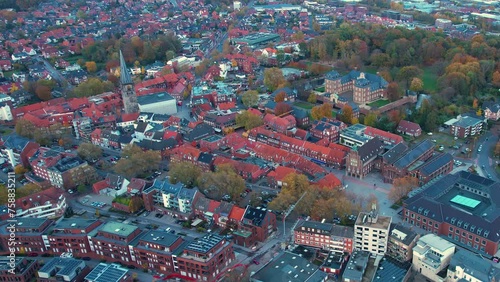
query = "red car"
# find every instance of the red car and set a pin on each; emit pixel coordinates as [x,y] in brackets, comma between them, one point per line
[256,261]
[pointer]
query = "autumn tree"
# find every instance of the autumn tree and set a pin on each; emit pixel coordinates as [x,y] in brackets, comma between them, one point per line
[280,97]
[250,98]
[294,185]
[135,204]
[416,85]
[89,151]
[224,181]
[84,175]
[401,187]
[26,190]
[248,120]
[282,108]
[321,111]
[91,66]
[393,91]
[43,92]
[347,114]
[184,172]
[19,169]
[25,128]
[496,79]
[274,79]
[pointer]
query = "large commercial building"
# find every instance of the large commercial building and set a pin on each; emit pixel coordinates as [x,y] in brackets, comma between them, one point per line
[463,207]
[467,266]
[431,255]
[158,103]
[371,232]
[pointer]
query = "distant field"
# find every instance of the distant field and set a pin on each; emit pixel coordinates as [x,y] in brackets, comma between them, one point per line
[304,105]
[320,89]
[430,80]
[379,103]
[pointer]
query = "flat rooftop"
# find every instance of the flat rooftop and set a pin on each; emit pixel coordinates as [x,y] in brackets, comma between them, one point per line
[118,228]
[154,98]
[286,267]
[75,223]
[369,220]
[106,273]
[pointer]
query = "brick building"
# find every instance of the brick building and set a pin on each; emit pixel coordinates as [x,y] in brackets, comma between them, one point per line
[366,87]
[360,161]
[206,257]
[29,233]
[154,250]
[401,243]
[24,269]
[111,241]
[256,226]
[466,126]
[328,129]
[462,207]
[69,235]
[326,236]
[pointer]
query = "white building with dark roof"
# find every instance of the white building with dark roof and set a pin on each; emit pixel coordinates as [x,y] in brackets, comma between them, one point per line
[431,255]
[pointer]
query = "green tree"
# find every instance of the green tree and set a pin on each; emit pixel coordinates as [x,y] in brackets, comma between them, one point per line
[93,86]
[408,73]
[370,119]
[89,151]
[136,162]
[82,189]
[184,172]
[393,91]
[248,120]
[224,181]
[250,98]
[135,204]
[25,128]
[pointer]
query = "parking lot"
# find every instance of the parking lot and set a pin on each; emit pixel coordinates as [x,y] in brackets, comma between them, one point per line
[97,201]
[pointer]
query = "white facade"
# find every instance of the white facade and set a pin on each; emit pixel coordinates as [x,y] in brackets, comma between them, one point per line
[5,113]
[47,210]
[371,233]
[431,255]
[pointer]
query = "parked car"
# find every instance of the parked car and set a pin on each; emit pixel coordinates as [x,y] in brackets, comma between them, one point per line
[255,261]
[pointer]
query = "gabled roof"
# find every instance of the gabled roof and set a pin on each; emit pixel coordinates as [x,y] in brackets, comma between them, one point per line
[408,127]
[370,149]
[236,213]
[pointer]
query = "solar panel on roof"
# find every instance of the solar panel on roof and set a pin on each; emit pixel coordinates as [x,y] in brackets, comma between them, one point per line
[464,201]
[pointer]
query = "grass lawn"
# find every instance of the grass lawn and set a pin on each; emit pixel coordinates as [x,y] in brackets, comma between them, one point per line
[430,80]
[320,89]
[72,60]
[8,74]
[304,105]
[379,103]
[372,70]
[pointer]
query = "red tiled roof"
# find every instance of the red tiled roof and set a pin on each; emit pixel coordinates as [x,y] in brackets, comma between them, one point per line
[408,126]
[236,213]
[98,186]
[129,117]
[281,172]
[48,195]
[213,205]
[383,135]
[329,181]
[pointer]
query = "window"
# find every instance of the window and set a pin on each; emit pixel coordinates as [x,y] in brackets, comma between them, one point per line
[451,228]
[424,220]
[483,242]
[418,218]
[412,215]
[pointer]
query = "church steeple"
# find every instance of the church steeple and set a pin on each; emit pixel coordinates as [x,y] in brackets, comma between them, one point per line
[124,74]
[127,88]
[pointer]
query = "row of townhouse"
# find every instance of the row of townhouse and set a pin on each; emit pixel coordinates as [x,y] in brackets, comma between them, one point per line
[203,259]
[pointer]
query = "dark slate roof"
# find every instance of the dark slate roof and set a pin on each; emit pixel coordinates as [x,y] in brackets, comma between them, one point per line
[391,270]
[410,235]
[370,149]
[474,266]
[141,126]
[433,201]
[394,153]
[15,142]
[413,154]
[435,163]
[206,158]
[255,215]
[332,75]
[327,227]
[202,130]
[493,106]
[125,77]
[157,146]
[299,113]
[62,266]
